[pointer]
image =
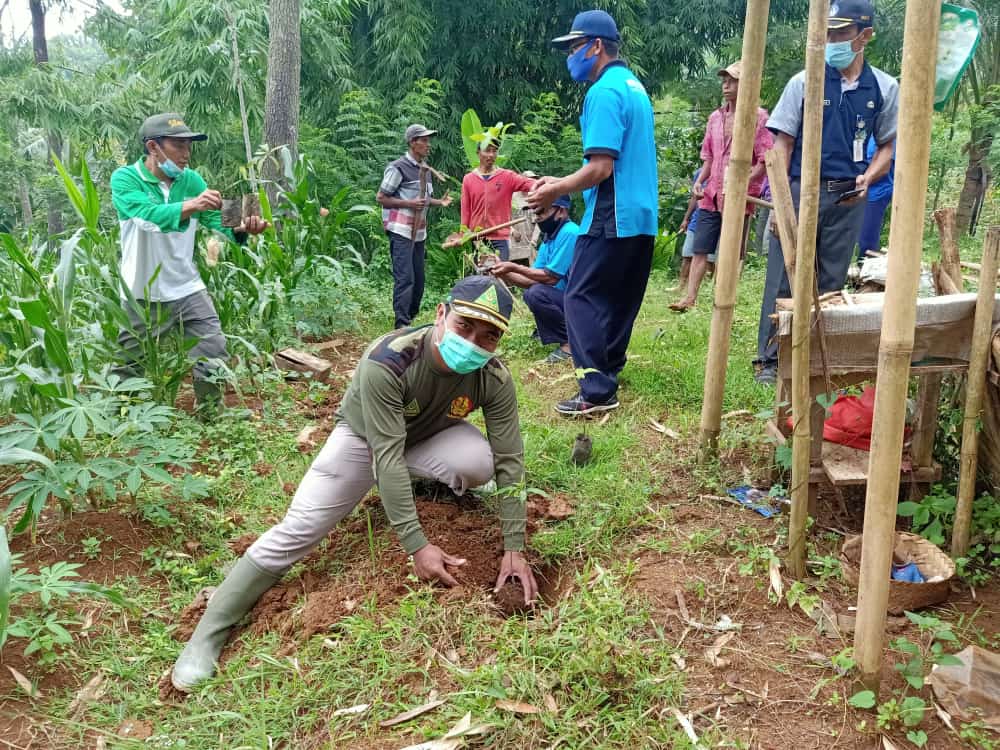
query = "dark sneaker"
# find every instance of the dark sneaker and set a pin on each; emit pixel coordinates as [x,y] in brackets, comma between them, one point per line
[577,406]
[558,355]
[766,374]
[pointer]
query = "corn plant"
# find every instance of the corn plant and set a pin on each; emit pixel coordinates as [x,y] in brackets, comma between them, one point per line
[6,570]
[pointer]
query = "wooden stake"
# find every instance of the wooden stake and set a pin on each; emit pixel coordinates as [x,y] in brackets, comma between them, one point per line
[727,271]
[805,270]
[982,330]
[898,323]
[950,260]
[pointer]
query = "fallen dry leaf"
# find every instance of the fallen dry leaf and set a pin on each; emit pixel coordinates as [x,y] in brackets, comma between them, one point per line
[678,660]
[101,743]
[663,429]
[353,710]
[24,683]
[944,716]
[550,704]
[713,651]
[455,736]
[774,572]
[604,420]
[516,707]
[888,744]
[686,725]
[305,440]
[411,714]
[89,693]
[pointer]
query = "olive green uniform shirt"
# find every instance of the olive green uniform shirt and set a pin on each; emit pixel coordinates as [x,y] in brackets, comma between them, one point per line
[399,397]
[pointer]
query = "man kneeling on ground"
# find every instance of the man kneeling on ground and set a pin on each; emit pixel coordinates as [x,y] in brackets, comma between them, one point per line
[403,415]
[544,283]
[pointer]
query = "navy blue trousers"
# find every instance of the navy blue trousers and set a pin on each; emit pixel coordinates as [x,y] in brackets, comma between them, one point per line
[408,277]
[604,291]
[547,305]
[871,228]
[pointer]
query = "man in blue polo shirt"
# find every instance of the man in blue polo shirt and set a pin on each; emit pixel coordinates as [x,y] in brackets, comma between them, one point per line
[618,179]
[859,102]
[544,283]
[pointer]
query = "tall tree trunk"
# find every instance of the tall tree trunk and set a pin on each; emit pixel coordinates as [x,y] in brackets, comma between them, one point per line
[24,196]
[281,106]
[977,178]
[41,49]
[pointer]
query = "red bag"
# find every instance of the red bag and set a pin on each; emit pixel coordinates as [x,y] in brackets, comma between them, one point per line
[850,420]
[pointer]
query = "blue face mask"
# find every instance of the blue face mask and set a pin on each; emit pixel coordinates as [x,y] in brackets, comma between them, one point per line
[839,55]
[461,355]
[170,169]
[580,66]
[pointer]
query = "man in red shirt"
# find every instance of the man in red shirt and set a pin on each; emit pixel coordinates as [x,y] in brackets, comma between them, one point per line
[486,195]
[710,185]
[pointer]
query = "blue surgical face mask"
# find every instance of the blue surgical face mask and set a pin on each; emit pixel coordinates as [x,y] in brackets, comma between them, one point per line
[579,65]
[840,55]
[170,169]
[461,355]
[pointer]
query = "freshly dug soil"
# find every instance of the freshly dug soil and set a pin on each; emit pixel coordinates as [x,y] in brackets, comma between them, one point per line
[343,573]
[510,599]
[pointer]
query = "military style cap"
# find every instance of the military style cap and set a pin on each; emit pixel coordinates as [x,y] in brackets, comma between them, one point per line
[169,125]
[846,12]
[483,298]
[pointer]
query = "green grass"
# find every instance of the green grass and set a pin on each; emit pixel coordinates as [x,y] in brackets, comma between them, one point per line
[598,652]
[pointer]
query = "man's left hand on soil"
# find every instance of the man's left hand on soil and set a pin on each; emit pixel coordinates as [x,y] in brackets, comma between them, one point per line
[429,562]
[515,565]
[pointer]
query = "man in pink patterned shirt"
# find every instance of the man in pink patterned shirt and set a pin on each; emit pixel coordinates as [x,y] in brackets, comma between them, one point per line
[709,187]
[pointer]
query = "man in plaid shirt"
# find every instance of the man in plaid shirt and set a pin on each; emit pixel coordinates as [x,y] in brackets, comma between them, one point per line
[404,216]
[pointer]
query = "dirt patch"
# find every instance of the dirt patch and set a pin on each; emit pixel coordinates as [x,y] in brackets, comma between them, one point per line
[769,682]
[344,571]
[120,541]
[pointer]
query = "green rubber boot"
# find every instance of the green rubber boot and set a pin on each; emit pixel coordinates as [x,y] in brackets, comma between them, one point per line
[244,585]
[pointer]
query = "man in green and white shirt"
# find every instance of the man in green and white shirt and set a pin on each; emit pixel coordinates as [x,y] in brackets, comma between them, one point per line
[160,204]
[404,414]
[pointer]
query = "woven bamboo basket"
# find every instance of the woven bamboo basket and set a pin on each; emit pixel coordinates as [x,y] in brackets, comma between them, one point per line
[908,547]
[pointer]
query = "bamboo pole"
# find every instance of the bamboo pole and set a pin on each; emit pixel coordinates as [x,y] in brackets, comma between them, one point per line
[898,322]
[727,271]
[805,271]
[982,328]
[950,260]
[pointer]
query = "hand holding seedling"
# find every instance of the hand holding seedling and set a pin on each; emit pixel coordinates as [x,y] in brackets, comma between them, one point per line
[515,565]
[429,562]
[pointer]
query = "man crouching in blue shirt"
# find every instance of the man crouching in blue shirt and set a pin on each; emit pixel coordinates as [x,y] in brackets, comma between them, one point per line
[614,252]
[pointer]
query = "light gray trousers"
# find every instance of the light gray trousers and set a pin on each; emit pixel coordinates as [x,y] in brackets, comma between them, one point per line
[195,315]
[341,475]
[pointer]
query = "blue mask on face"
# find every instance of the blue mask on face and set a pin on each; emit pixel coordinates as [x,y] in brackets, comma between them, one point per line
[580,66]
[170,169]
[461,355]
[839,55]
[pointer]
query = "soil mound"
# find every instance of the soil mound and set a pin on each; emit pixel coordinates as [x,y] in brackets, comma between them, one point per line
[347,572]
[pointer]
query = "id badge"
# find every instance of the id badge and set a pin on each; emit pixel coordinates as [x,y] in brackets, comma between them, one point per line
[859,150]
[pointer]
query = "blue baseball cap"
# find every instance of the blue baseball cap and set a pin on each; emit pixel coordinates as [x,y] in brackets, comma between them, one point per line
[845,13]
[589,24]
[562,201]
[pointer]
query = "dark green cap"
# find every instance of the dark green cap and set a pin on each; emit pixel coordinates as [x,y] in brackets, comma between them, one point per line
[168,124]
